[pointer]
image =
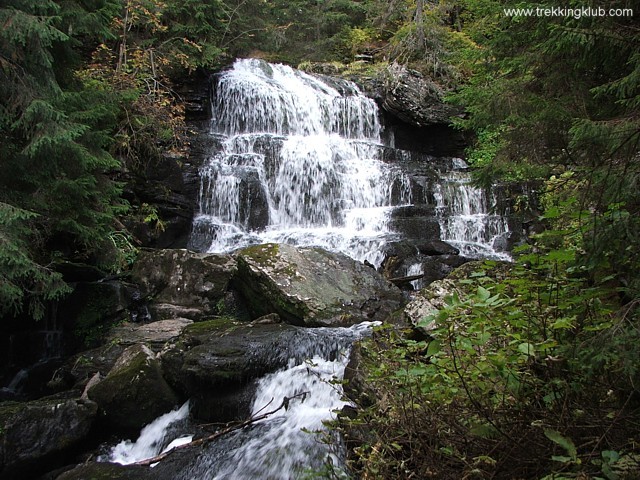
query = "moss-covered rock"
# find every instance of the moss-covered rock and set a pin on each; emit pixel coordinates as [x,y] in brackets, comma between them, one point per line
[180,283]
[134,392]
[32,432]
[312,287]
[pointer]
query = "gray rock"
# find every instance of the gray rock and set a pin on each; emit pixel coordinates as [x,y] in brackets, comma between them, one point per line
[313,287]
[414,98]
[427,302]
[134,392]
[111,471]
[154,334]
[32,431]
[180,283]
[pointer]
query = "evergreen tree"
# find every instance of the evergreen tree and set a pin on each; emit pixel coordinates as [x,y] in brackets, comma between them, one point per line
[56,198]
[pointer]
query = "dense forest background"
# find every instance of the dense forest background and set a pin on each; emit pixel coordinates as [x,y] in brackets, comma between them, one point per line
[529,370]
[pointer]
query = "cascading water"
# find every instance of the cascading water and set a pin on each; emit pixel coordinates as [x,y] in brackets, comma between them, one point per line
[280,446]
[464,214]
[300,160]
[153,439]
[299,163]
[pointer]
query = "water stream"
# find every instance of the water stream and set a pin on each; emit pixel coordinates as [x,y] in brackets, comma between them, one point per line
[300,159]
[282,446]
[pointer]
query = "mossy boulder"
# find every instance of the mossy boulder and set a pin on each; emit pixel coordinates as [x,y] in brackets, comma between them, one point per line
[313,287]
[181,283]
[32,433]
[134,392]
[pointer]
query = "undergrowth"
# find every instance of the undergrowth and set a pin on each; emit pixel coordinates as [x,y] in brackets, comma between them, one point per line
[529,371]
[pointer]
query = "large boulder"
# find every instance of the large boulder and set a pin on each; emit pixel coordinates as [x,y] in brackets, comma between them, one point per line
[415,98]
[180,283]
[134,392]
[313,287]
[32,433]
[215,362]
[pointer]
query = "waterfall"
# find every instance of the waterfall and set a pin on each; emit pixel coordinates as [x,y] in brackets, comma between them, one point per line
[464,213]
[300,159]
[300,163]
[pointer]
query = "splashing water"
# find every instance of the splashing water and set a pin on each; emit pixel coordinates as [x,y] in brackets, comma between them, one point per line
[280,446]
[152,441]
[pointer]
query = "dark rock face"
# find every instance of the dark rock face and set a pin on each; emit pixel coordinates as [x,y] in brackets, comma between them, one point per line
[185,284]
[414,98]
[134,392]
[312,287]
[109,471]
[168,186]
[92,308]
[32,432]
[215,363]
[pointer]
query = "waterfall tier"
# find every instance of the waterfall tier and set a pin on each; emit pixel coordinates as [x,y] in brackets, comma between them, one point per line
[300,159]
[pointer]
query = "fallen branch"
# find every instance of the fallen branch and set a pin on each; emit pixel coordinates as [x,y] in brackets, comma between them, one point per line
[225,431]
[407,279]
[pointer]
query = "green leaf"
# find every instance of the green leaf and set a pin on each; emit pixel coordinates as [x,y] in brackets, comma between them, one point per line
[527,349]
[565,442]
[483,294]
[433,348]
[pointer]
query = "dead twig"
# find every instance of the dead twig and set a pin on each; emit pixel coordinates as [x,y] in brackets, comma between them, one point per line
[224,431]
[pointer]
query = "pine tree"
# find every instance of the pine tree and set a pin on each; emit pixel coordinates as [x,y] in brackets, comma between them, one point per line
[56,196]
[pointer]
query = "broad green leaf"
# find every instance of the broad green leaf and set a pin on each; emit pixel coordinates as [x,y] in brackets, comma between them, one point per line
[527,348]
[564,442]
[433,348]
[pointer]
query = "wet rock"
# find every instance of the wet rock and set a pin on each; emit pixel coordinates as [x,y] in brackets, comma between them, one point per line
[312,287]
[109,471]
[180,283]
[415,98]
[437,247]
[438,267]
[134,392]
[415,227]
[215,362]
[31,433]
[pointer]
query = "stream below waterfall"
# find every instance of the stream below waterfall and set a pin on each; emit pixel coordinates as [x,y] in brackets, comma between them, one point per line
[305,160]
[286,445]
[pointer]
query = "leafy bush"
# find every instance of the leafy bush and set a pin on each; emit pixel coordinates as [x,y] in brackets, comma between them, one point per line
[528,370]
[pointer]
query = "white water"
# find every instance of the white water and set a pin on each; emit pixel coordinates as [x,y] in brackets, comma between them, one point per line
[280,446]
[152,441]
[464,214]
[300,164]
